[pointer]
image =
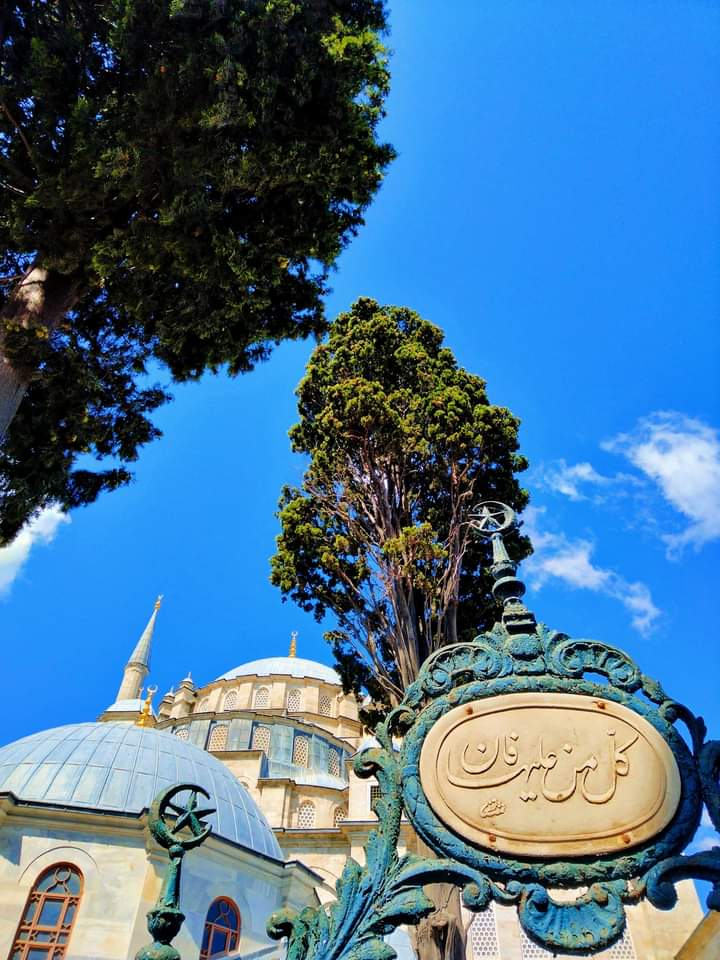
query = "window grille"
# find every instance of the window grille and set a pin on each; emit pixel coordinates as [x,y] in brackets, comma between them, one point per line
[301,751]
[222,929]
[262,698]
[294,701]
[218,737]
[231,700]
[622,950]
[49,915]
[334,762]
[483,935]
[261,739]
[203,705]
[340,816]
[375,793]
[306,815]
[325,705]
[182,733]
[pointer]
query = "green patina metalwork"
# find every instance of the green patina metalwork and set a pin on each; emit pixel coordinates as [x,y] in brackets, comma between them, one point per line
[188,831]
[517,656]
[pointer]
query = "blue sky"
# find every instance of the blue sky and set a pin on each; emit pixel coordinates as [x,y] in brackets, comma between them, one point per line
[554,208]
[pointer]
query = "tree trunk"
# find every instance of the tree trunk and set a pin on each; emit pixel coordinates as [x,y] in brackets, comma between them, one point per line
[441,935]
[40,301]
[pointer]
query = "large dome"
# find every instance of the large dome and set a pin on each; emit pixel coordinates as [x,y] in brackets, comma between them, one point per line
[120,768]
[284,667]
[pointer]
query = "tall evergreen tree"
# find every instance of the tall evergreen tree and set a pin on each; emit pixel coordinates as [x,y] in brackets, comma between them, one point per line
[176,179]
[402,443]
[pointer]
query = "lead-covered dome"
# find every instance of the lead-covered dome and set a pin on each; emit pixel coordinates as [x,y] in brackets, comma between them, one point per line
[120,768]
[284,667]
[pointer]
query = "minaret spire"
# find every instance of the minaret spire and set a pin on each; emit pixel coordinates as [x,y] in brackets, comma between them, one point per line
[138,665]
[293,644]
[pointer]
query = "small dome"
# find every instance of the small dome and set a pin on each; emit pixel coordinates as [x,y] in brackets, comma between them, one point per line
[285,667]
[120,768]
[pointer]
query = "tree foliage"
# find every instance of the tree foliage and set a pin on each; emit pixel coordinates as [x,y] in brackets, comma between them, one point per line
[402,443]
[176,179]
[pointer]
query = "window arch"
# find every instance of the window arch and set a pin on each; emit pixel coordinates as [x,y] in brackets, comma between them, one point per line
[340,816]
[182,733]
[306,815]
[301,752]
[218,737]
[262,698]
[334,762]
[222,929]
[325,705]
[294,700]
[49,915]
[261,739]
[231,700]
[203,706]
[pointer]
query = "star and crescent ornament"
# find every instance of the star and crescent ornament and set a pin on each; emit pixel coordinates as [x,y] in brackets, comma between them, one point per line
[491,517]
[188,828]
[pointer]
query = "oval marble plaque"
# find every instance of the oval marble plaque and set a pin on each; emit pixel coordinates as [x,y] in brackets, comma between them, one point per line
[549,775]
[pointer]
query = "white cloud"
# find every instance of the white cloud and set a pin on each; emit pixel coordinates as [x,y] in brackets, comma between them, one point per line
[682,456]
[41,530]
[558,557]
[568,480]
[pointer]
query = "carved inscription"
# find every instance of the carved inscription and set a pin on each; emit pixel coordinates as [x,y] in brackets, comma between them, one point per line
[549,774]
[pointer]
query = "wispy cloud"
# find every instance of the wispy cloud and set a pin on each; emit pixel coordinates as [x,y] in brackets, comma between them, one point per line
[681,455]
[558,557]
[575,481]
[41,530]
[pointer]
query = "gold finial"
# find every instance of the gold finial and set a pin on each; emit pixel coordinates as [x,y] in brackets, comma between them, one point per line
[145,718]
[293,644]
[158,602]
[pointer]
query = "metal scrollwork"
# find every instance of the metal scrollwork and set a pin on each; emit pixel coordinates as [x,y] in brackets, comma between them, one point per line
[524,663]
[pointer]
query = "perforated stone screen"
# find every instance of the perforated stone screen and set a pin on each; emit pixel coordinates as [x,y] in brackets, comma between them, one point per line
[231,700]
[306,815]
[262,698]
[334,763]
[483,935]
[261,739]
[301,751]
[182,733]
[340,816]
[218,737]
[294,701]
[325,705]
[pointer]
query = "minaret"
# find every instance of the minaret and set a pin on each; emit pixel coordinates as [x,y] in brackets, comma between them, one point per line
[138,665]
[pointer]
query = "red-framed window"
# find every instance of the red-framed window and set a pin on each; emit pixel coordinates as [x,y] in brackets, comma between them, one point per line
[222,929]
[49,915]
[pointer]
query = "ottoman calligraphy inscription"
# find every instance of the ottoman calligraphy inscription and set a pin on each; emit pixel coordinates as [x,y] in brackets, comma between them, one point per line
[547,774]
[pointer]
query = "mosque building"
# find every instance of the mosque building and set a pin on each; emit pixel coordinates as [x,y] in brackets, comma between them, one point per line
[270,740]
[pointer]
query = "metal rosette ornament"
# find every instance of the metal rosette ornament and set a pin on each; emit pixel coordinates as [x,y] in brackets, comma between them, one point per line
[533,762]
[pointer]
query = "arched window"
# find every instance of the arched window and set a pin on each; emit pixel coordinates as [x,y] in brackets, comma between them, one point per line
[294,700]
[218,737]
[47,921]
[203,705]
[231,700]
[334,762]
[325,705]
[340,816]
[306,815]
[222,929]
[261,739]
[262,698]
[182,733]
[301,751]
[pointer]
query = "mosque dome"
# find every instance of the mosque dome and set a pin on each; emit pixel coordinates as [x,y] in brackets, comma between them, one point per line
[120,768]
[285,667]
